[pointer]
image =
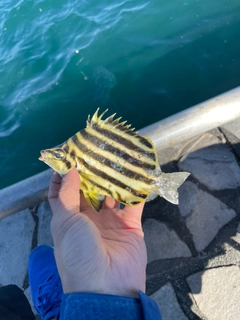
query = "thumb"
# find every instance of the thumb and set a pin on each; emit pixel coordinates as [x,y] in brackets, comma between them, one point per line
[68,195]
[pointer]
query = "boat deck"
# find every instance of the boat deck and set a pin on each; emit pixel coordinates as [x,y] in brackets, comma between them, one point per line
[193,248]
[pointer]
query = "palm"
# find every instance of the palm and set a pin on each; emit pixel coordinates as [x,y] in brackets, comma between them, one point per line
[104,251]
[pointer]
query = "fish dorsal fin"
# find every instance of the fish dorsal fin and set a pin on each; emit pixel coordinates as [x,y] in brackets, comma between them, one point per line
[95,118]
[122,126]
[95,201]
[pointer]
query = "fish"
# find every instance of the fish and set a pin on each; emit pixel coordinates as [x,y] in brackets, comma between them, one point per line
[113,160]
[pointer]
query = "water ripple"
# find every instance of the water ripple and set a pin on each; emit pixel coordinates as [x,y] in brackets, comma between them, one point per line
[50,47]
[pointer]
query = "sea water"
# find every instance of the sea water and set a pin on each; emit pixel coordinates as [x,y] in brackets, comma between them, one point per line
[144,60]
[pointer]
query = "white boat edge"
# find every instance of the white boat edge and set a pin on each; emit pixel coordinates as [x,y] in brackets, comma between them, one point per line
[165,133]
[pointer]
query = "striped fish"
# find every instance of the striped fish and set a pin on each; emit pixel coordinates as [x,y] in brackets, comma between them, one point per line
[113,160]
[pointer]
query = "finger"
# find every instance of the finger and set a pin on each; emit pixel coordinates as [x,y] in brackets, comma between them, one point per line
[135,210]
[68,195]
[133,214]
[54,186]
[84,205]
[110,203]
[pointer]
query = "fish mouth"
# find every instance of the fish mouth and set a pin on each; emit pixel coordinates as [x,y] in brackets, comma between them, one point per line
[43,155]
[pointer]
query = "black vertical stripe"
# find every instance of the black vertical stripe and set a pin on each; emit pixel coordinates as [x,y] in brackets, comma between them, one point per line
[145,142]
[126,143]
[73,154]
[66,148]
[134,203]
[120,199]
[113,165]
[119,153]
[106,177]
[68,163]
[101,187]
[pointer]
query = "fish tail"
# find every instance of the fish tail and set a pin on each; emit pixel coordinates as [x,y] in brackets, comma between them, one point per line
[169,183]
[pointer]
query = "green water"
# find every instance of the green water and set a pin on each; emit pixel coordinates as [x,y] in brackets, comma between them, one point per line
[145,60]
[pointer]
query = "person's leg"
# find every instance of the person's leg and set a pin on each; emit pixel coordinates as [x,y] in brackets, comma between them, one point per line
[45,283]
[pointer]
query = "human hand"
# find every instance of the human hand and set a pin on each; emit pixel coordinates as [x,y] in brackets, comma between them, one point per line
[98,252]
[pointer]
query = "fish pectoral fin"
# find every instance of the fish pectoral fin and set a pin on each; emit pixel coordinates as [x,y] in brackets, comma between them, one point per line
[95,201]
[169,184]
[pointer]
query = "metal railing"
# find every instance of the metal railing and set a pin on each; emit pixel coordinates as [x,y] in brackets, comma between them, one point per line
[196,120]
[165,133]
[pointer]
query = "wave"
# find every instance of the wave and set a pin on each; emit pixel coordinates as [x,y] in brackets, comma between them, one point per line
[9,125]
[48,44]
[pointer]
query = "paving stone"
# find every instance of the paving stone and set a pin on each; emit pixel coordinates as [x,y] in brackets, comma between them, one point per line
[206,215]
[188,197]
[214,166]
[236,238]
[15,245]
[232,133]
[168,305]
[45,217]
[233,127]
[176,151]
[216,292]
[162,243]
[238,229]
[29,297]
[214,137]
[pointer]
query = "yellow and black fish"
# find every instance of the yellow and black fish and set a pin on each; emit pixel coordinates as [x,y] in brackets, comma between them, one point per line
[113,160]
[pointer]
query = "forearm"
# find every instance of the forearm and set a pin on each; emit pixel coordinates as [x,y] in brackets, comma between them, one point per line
[107,307]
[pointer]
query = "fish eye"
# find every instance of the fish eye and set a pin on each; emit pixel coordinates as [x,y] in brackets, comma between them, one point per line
[58,155]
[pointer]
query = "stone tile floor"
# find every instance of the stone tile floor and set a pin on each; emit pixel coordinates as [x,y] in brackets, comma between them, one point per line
[193,249]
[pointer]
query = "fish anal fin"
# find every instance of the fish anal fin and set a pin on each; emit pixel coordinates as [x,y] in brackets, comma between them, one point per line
[95,201]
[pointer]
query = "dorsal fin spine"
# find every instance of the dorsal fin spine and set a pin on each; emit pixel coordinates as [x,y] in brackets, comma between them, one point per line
[96,118]
[116,121]
[101,115]
[110,119]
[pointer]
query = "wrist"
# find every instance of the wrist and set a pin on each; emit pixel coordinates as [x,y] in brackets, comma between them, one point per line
[103,284]
[133,293]
[119,288]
